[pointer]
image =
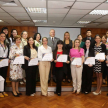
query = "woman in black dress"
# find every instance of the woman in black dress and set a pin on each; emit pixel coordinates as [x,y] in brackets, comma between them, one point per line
[99,64]
[68,43]
[87,69]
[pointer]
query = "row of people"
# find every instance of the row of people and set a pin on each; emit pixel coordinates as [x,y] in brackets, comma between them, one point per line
[69,44]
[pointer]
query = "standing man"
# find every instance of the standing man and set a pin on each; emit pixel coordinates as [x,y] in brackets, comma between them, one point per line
[52,42]
[88,36]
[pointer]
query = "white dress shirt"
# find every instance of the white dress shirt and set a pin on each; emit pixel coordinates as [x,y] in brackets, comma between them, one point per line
[42,50]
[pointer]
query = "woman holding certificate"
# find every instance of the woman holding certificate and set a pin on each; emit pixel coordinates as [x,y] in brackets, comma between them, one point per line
[99,63]
[15,69]
[4,52]
[77,54]
[44,53]
[30,52]
[87,69]
[60,67]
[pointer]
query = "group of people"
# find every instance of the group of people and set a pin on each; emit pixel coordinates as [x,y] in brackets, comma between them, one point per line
[33,47]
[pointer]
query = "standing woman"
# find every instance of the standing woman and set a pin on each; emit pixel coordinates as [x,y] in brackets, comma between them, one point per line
[44,66]
[4,52]
[68,43]
[5,30]
[99,64]
[30,52]
[24,36]
[15,69]
[76,70]
[37,38]
[87,69]
[81,42]
[104,41]
[13,35]
[60,67]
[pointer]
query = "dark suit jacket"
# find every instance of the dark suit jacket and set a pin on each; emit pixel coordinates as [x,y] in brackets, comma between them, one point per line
[64,64]
[91,52]
[92,41]
[51,44]
[27,53]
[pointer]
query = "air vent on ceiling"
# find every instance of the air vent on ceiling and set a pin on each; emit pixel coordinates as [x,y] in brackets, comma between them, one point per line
[8,3]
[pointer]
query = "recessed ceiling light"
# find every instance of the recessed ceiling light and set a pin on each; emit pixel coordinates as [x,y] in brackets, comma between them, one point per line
[43,21]
[25,21]
[35,10]
[99,12]
[1,20]
[107,1]
[83,22]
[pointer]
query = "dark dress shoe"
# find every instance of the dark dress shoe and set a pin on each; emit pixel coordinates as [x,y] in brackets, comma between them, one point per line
[59,94]
[19,93]
[15,95]
[55,92]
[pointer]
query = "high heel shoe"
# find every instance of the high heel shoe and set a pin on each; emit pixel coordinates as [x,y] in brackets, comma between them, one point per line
[19,93]
[97,93]
[15,95]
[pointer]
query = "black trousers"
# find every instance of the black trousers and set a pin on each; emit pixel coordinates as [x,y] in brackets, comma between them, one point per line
[68,73]
[86,78]
[3,73]
[59,77]
[31,79]
[105,71]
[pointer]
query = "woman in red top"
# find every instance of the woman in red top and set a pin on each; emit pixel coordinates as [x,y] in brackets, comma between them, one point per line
[59,66]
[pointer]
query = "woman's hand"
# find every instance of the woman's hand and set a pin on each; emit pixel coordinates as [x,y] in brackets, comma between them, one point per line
[90,65]
[16,55]
[55,61]
[27,58]
[52,60]
[78,66]
[106,62]
[8,61]
[101,60]
[67,62]
[70,59]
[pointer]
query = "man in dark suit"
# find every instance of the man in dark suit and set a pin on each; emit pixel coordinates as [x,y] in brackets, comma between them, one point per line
[52,42]
[88,36]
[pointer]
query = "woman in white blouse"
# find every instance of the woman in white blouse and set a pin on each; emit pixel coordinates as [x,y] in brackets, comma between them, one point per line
[4,49]
[44,66]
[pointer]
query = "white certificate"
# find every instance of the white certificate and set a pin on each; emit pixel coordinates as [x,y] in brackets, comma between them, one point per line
[90,60]
[62,58]
[100,56]
[33,62]
[47,57]
[4,62]
[19,60]
[77,61]
[2,83]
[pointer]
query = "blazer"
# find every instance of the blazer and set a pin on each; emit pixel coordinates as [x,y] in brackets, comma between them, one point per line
[91,52]
[27,53]
[51,44]
[64,64]
[92,41]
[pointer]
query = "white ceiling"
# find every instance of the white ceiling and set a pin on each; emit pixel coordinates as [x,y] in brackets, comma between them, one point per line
[60,13]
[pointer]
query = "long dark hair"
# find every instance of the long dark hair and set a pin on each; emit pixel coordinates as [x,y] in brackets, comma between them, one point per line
[5,44]
[5,34]
[84,47]
[35,35]
[60,42]
[12,34]
[29,44]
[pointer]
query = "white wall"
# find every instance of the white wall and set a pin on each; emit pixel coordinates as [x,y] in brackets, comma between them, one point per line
[59,32]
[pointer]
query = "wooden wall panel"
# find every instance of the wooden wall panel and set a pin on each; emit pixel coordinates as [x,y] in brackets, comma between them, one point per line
[100,31]
[30,29]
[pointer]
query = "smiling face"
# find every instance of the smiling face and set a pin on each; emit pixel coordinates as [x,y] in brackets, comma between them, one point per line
[14,33]
[2,37]
[98,39]
[5,31]
[31,41]
[52,33]
[88,33]
[66,36]
[38,37]
[44,41]
[24,35]
[18,41]
[60,46]
[104,39]
[77,43]
[80,37]
[87,43]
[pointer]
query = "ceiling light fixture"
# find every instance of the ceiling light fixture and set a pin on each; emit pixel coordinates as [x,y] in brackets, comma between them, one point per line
[99,12]
[1,20]
[107,1]
[83,22]
[43,21]
[36,10]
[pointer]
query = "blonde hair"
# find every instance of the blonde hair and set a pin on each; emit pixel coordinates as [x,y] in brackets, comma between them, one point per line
[79,45]
[65,34]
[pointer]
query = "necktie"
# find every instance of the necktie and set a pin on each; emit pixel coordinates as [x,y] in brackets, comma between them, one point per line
[53,40]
